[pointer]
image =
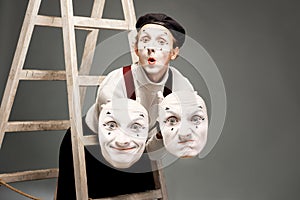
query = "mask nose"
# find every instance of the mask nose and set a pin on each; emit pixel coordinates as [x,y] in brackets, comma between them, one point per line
[122,140]
[185,136]
[185,132]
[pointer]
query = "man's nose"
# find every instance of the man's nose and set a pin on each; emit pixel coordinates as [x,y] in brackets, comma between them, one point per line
[150,50]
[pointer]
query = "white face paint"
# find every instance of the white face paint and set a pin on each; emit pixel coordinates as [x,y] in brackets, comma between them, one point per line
[123,130]
[155,48]
[184,123]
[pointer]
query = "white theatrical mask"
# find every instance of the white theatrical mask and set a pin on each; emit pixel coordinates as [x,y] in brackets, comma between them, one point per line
[123,131]
[184,123]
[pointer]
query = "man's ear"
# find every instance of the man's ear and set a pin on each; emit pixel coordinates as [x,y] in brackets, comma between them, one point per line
[135,47]
[174,53]
[136,50]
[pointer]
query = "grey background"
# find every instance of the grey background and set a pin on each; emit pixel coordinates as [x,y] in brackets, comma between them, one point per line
[255,45]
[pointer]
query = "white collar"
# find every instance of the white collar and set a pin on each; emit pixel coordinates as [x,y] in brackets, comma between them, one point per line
[142,78]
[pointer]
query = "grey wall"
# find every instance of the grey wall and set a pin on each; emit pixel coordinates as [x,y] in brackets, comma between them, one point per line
[255,45]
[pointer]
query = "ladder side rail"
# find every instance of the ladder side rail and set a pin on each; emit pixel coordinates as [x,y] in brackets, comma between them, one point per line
[130,18]
[159,178]
[90,46]
[74,99]
[17,64]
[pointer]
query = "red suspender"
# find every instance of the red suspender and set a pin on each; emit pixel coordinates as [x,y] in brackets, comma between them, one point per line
[128,78]
[168,85]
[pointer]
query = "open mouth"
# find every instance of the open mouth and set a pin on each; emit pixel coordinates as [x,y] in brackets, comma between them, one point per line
[151,61]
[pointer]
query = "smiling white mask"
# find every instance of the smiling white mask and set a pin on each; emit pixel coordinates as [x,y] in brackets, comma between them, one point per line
[184,123]
[123,130]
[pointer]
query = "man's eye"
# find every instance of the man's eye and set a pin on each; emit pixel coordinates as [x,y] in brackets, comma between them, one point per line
[145,39]
[172,121]
[136,127]
[196,119]
[161,42]
[112,125]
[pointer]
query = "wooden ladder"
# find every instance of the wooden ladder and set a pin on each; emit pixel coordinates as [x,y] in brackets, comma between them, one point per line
[68,22]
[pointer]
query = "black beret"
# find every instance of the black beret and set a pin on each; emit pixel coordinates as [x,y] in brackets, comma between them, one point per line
[161,19]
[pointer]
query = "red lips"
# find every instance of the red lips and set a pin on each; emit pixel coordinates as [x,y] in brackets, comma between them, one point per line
[151,61]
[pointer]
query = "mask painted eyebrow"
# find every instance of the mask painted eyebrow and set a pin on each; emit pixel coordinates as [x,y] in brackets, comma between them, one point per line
[198,111]
[141,116]
[108,119]
[138,120]
[170,113]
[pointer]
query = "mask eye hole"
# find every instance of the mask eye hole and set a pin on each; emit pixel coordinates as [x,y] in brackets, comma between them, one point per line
[197,119]
[136,127]
[172,121]
[111,125]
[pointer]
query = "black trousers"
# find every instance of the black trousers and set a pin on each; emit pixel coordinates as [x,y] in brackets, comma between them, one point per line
[103,180]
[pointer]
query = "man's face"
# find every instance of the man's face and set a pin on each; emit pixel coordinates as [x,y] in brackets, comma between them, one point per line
[155,48]
[123,130]
[183,122]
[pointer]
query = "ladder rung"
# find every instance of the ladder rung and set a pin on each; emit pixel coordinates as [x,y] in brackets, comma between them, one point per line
[83,22]
[18,126]
[90,140]
[90,80]
[87,22]
[152,194]
[29,175]
[42,75]
[59,75]
[42,20]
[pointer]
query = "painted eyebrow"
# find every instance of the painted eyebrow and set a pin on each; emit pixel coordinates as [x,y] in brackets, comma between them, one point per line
[144,32]
[172,112]
[197,111]
[137,118]
[163,35]
[109,118]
